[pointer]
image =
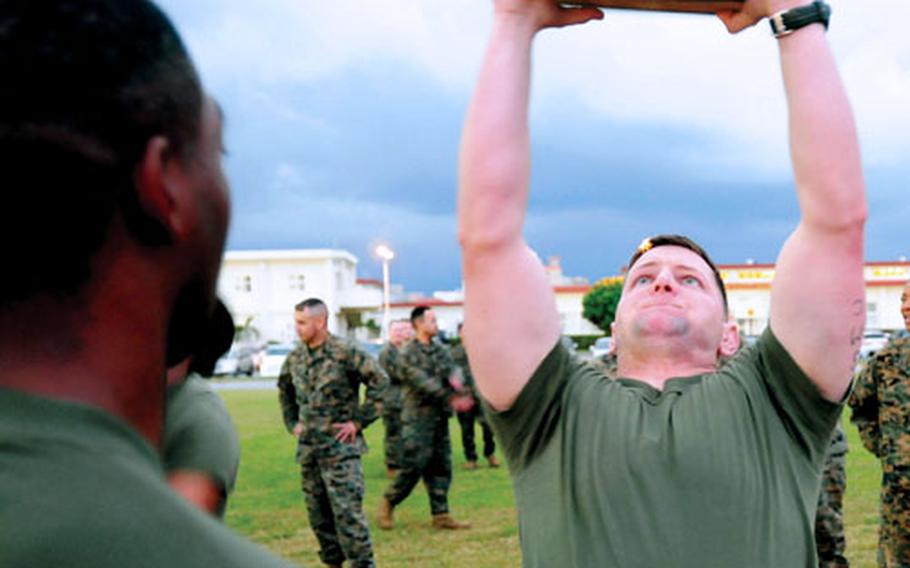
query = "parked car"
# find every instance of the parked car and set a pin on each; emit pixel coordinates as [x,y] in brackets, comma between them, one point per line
[601,347]
[237,361]
[227,364]
[371,348]
[273,359]
[873,340]
[569,343]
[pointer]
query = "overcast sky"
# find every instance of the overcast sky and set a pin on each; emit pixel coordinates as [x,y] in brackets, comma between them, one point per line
[344,117]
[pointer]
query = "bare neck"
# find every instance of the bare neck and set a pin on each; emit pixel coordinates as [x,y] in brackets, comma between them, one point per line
[656,368]
[424,338]
[107,350]
[318,339]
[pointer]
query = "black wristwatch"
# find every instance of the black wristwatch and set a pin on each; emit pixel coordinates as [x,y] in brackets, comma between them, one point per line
[788,21]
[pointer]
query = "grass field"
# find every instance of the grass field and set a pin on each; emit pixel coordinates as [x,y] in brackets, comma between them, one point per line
[268,507]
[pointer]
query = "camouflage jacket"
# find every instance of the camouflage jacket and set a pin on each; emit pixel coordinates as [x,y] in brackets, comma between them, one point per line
[390,359]
[319,387]
[460,358]
[426,369]
[881,403]
[838,446]
[606,364]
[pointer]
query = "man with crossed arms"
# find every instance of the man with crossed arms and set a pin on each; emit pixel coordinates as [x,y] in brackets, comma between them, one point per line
[674,463]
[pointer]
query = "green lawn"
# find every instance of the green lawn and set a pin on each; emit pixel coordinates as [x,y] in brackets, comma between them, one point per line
[268,507]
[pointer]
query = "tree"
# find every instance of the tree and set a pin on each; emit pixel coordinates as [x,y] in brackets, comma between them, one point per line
[600,303]
[246,333]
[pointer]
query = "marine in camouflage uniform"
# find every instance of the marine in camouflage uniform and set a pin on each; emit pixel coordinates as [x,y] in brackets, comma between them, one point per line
[428,395]
[467,419]
[393,400]
[427,450]
[606,364]
[830,540]
[881,410]
[318,390]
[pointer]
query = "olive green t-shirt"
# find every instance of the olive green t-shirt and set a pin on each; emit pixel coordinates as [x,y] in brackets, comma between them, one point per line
[79,488]
[715,471]
[199,435]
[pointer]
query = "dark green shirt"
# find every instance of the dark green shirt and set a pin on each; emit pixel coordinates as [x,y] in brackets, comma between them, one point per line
[715,471]
[199,435]
[81,489]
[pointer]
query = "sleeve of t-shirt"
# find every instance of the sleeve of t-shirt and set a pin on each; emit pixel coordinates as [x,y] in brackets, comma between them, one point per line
[808,416]
[200,436]
[526,428]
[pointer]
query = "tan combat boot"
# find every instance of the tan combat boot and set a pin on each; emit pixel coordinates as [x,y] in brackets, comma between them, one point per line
[390,472]
[386,521]
[470,465]
[493,461]
[445,521]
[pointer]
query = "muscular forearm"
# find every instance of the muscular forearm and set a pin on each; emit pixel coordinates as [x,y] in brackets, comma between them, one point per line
[823,139]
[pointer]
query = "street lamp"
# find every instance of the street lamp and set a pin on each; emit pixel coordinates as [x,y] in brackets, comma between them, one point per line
[386,254]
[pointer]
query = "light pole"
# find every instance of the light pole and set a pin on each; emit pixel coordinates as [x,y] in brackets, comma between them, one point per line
[386,254]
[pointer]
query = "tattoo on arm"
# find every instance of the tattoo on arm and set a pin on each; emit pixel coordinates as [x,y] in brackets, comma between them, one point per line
[856,335]
[858,306]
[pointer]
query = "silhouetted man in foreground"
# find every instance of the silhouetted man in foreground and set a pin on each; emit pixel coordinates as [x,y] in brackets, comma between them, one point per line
[117,210]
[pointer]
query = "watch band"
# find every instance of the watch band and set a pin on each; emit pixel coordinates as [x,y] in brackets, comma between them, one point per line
[788,21]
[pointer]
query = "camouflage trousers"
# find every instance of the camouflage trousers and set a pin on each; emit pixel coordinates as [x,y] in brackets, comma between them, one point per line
[829,517]
[392,443]
[427,455]
[466,421]
[894,532]
[333,489]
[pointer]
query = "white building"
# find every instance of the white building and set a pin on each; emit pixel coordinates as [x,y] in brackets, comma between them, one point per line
[450,310]
[263,287]
[569,291]
[448,313]
[749,292]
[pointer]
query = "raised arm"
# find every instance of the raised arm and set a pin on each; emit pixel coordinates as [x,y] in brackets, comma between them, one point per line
[510,308]
[817,299]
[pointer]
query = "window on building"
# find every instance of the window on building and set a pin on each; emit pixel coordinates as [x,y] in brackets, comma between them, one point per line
[871,314]
[339,280]
[244,283]
[297,282]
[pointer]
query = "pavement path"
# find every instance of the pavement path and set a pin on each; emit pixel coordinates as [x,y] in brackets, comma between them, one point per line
[244,384]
